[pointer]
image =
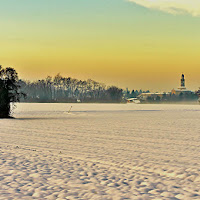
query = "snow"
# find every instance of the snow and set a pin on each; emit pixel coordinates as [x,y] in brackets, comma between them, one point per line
[100,151]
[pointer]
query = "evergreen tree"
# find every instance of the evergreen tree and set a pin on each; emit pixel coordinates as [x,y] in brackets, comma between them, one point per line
[9,91]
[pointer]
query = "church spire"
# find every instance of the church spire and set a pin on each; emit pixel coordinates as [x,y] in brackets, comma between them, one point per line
[183,81]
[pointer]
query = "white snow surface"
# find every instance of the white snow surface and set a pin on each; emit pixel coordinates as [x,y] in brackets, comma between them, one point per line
[100,151]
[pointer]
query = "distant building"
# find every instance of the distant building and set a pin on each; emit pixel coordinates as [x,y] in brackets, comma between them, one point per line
[182,93]
[133,100]
[153,96]
[182,89]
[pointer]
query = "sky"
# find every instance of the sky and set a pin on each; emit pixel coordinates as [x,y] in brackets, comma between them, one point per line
[139,44]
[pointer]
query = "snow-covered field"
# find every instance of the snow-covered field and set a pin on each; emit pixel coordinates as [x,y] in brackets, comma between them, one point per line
[100,151]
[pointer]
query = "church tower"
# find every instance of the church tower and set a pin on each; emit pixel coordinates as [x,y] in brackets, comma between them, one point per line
[182,89]
[183,81]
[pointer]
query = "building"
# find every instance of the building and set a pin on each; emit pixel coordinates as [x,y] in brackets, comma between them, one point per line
[132,100]
[182,89]
[152,96]
[182,93]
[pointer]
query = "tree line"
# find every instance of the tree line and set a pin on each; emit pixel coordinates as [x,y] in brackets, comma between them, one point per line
[52,89]
[182,97]
[134,93]
[66,89]
[61,89]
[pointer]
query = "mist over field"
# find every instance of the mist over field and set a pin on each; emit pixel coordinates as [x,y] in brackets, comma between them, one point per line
[100,151]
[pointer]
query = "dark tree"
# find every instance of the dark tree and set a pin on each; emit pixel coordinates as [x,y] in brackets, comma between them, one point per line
[181,96]
[9,91]
[115,93]
[158,98]
[149,99]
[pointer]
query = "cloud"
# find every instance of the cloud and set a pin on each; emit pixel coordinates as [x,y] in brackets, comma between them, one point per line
[172,6]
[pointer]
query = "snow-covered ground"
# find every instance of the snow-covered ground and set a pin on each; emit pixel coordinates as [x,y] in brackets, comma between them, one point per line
[100,151]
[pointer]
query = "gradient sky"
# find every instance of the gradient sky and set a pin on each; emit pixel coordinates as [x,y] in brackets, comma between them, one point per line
[145,45]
